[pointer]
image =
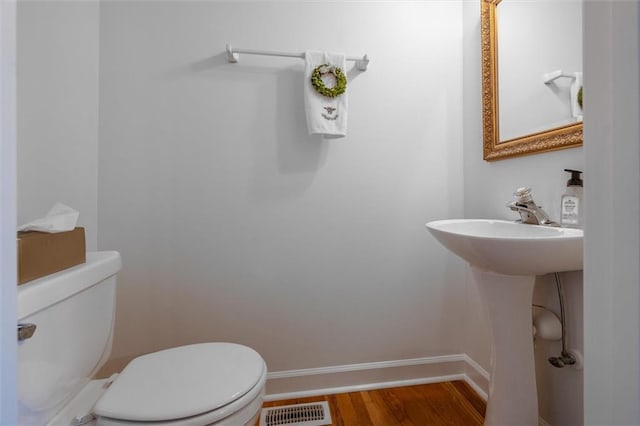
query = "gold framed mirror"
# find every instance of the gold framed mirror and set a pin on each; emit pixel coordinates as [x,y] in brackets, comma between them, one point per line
[566,136]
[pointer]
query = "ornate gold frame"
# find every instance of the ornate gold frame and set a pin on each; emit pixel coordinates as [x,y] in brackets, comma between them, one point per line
[568,136]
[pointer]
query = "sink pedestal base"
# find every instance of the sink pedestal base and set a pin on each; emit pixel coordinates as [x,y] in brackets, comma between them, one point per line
[513,398]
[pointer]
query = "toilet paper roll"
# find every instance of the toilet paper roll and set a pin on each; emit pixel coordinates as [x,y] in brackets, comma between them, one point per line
[547,325]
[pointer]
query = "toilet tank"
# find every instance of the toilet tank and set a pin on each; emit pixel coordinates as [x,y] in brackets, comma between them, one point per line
[73,311]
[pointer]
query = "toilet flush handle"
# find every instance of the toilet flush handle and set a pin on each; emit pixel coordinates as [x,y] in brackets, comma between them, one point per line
[83,420]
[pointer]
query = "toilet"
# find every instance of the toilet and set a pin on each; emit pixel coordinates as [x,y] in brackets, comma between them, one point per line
[73,311]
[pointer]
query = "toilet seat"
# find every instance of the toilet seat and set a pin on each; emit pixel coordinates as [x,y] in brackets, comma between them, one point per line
[200,383]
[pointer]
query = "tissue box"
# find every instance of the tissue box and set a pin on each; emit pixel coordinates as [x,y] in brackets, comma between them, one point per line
[41,253]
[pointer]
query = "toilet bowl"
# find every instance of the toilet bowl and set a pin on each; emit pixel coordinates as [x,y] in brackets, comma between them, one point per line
[73,310]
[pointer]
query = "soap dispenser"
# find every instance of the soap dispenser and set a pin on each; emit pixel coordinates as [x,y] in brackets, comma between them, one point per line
[571,205]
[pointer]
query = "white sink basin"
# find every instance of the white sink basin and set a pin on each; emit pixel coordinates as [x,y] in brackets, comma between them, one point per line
[511,248]
[505,257]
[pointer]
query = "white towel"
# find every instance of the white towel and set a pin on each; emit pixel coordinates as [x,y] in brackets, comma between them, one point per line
[325,116]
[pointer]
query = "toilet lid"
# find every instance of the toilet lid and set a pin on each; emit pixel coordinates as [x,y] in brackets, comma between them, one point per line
[181,382]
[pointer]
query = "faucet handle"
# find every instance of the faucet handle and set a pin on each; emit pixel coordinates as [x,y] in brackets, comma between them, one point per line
[523,194]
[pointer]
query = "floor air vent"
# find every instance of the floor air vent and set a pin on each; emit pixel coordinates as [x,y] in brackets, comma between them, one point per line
[312,414]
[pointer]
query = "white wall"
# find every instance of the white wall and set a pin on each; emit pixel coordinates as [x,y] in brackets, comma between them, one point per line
[57,110]
[488,187]
[612,298]
[234,224]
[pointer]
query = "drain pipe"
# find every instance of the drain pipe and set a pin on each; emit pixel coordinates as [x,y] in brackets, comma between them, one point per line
[566,357]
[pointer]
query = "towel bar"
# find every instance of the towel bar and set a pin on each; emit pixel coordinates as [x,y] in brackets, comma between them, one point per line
[554,75]
[233,56]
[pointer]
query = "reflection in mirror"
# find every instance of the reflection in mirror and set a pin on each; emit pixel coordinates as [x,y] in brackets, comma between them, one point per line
[528,50]
[537,39]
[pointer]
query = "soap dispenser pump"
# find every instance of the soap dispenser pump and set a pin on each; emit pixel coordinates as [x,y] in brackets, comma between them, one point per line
[571,215]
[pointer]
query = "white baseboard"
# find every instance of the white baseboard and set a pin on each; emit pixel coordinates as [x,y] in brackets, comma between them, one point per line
[376,375]
[477,377]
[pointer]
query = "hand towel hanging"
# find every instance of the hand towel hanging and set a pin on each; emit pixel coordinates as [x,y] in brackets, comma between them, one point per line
[325,94]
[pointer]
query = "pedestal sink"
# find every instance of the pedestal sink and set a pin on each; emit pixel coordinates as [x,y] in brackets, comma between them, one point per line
[505,257]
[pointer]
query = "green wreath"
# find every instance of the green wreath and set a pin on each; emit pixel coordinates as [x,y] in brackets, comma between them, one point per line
[580,97]
[318,84]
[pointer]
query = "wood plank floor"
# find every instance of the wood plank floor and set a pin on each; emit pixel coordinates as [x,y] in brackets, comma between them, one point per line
[449,403]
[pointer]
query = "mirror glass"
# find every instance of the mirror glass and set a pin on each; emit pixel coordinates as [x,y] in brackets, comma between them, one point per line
[536,38]
[524,44]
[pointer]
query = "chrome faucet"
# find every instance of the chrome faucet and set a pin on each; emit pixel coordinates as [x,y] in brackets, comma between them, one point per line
[529,212]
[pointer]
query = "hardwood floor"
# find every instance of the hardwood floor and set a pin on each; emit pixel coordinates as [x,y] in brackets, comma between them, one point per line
[449,403]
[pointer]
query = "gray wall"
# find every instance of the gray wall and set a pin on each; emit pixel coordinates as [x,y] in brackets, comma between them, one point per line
[8,349]
[57,110]
[234,224]
[612,296]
